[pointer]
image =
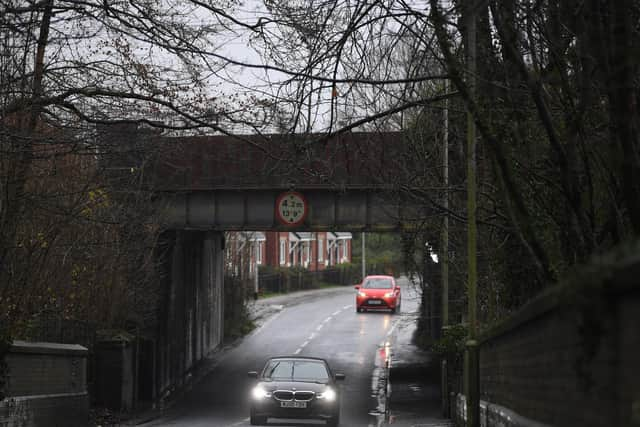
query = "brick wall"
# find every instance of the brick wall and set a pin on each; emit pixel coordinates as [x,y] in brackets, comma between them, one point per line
[571,357]
[47,386]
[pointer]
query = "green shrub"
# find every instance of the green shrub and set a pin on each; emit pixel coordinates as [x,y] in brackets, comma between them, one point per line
[452,343]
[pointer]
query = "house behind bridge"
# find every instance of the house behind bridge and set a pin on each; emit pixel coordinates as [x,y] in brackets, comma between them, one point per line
[313,251]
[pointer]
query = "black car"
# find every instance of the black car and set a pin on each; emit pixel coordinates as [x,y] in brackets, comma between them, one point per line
[296,387]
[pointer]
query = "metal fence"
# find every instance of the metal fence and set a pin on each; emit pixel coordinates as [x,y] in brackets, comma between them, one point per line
[291,280]
[51,326]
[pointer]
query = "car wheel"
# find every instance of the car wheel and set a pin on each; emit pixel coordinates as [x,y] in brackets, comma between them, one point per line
[393,310]
[257,421]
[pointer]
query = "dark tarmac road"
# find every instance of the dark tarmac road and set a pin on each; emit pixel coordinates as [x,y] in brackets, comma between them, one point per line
[322,325]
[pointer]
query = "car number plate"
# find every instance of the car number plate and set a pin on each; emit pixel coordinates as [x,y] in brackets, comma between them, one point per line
[374,301]
[293,404]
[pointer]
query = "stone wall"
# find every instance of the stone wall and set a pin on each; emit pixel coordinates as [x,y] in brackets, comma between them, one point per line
[46,386]
[570,357]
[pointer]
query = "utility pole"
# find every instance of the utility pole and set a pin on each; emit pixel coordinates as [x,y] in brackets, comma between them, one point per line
[445,251]
[364,264]
[445,204]
[256,289]
[472,356]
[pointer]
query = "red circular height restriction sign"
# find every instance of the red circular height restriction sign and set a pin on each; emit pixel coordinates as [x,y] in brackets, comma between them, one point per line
[291,208]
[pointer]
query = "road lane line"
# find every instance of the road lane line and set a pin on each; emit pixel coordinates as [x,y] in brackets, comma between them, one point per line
[328,319]
[392,328]
[335,313]
[319,327]
[269,320]
[239,423]
[312,336]
[346,307]
[297,351]
[304,344]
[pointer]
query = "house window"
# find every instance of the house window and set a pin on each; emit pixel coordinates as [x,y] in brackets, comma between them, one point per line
[320,249]
[259,256]
[283,251]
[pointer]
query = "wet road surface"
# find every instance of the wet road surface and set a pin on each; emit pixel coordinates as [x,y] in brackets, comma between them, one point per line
[323,325]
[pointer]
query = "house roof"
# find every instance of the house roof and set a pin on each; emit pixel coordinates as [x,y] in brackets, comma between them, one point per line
[343,235]
[252,236]
[305,236]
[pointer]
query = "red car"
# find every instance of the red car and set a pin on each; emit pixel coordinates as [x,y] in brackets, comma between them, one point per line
[378,293]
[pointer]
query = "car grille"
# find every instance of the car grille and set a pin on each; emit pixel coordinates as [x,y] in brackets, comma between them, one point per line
[304,395]
[293,395]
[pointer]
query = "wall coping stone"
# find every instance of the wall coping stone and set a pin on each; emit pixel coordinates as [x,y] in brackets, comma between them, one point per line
[614,274]
[25,347]
[489,412]
[12,400]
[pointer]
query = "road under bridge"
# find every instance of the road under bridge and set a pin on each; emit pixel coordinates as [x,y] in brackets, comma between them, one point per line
[204,186]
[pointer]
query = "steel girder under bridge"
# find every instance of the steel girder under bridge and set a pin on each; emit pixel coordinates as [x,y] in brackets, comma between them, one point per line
[348,210]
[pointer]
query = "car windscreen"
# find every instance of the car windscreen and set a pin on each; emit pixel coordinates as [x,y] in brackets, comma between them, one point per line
[296,370]
[378,283]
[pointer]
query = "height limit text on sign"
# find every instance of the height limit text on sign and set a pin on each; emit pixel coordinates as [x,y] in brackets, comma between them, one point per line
[291,208]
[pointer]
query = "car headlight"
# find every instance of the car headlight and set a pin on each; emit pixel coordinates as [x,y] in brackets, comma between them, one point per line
[389,294]
[361,294]
[259,393]
[329,395]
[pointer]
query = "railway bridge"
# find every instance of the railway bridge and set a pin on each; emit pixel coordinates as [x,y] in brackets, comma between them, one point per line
[203,186]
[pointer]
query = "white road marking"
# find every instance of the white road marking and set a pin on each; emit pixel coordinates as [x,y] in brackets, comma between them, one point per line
[312,336]
[239,423]
[297,351]
[269,320]
[304,344]
[392,328]
[327,319]
[335,313]
[346,307]
[319,326]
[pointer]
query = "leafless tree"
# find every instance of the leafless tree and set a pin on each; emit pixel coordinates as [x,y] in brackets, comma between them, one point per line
[556,105]
[556,108]
[71,238]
